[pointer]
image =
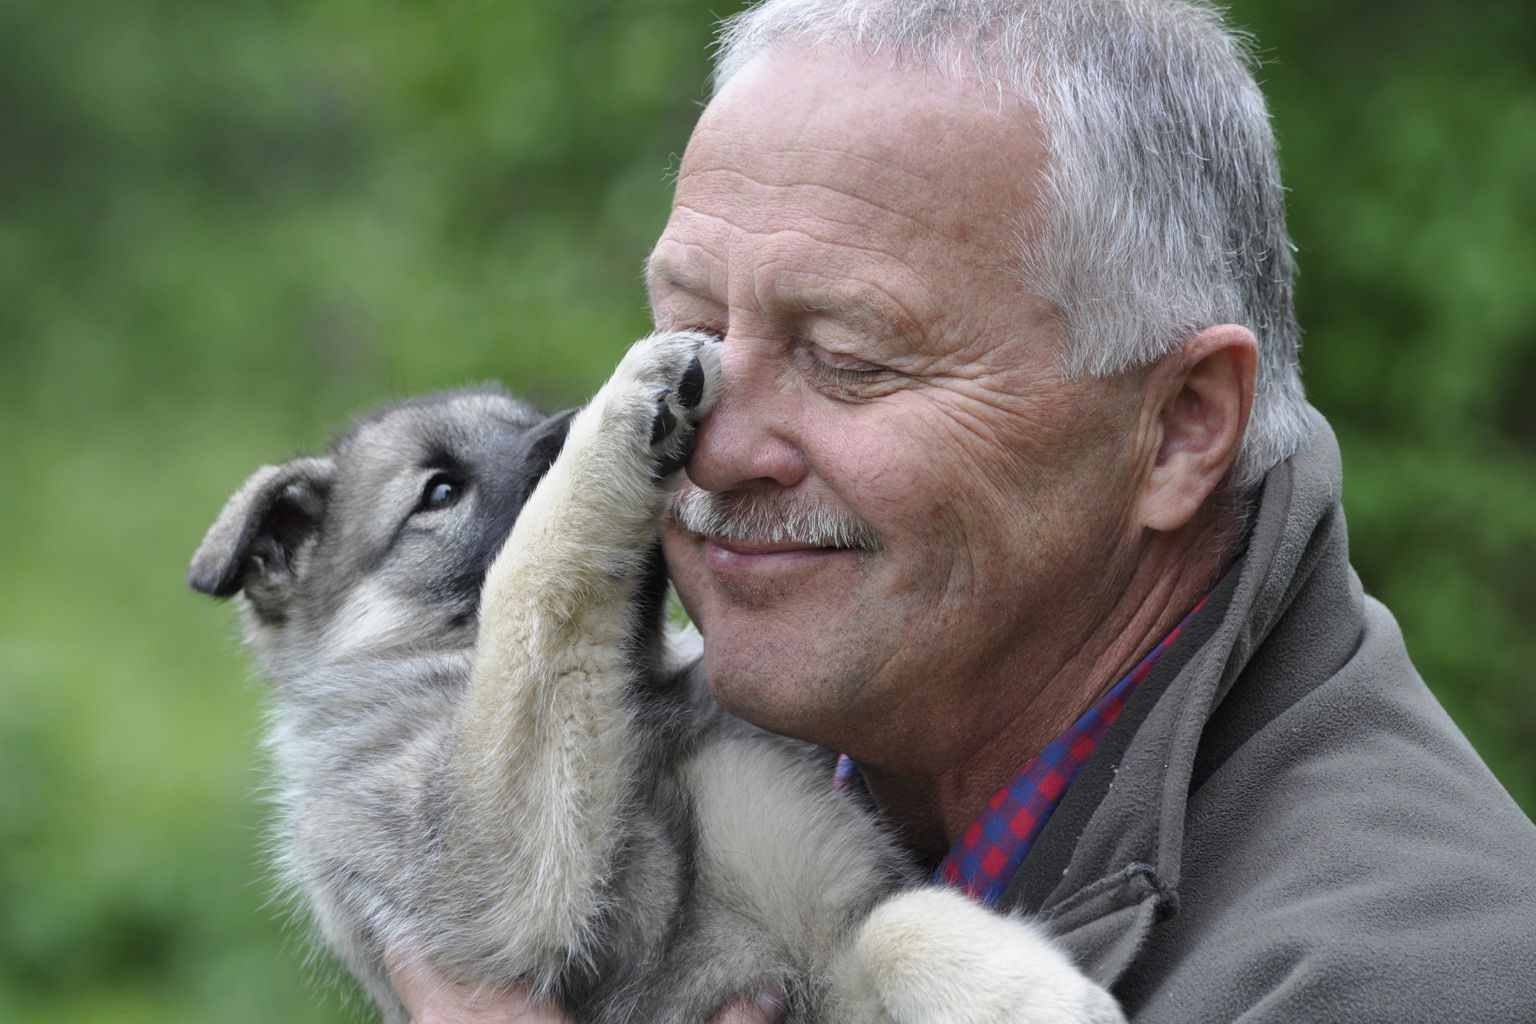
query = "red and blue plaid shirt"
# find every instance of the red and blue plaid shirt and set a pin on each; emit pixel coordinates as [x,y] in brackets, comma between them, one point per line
[993,846]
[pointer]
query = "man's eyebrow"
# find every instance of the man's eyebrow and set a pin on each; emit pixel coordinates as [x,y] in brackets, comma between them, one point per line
[661,271]
[863,308]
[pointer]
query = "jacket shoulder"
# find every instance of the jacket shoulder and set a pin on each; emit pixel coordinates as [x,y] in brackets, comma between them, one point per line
[1352,859]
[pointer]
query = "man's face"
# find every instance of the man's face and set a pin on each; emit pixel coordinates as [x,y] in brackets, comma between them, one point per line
[850,230]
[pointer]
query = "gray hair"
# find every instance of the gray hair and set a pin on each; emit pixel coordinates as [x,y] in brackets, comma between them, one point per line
[1161,205]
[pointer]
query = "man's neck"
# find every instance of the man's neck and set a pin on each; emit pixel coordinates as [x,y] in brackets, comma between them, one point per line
[932,809]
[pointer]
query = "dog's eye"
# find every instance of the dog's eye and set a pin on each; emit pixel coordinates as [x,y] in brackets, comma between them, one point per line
[441,491]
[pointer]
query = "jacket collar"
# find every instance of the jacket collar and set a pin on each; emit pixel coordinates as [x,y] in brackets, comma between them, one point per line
[1107,867]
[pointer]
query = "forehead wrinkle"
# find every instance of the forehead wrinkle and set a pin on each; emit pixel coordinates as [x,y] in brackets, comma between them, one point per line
[663,270]
[911,217]
[831,160]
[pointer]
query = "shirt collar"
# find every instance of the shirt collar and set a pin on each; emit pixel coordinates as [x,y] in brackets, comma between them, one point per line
[992,847]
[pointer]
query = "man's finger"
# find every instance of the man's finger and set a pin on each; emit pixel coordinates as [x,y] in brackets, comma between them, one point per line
[765,1006]
[431,998]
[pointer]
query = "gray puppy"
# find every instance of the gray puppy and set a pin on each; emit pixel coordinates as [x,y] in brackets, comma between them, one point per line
[490,757]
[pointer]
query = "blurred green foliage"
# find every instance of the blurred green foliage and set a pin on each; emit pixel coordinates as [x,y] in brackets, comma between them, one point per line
[226,225]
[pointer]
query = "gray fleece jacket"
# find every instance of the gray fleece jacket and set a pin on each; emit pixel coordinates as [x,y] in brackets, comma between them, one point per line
[1284,825]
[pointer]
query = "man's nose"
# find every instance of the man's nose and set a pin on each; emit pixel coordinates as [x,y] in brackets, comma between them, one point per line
[750,439]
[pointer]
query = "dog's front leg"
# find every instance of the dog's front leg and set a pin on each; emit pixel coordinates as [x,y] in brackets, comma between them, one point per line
[544,746]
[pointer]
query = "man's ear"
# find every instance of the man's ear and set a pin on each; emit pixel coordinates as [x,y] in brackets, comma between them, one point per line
[1200,395]
[254,543]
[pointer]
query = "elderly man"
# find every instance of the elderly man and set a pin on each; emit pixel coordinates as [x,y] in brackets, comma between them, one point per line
[1014,498]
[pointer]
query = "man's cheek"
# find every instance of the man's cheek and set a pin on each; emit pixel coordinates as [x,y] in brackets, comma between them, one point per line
[685,567]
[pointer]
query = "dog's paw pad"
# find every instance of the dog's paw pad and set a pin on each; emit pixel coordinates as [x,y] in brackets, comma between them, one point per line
[672,434]
[665,421]
[670,463]
[690,390]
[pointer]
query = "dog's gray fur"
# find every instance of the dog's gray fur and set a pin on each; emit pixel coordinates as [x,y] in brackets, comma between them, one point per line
[518,781]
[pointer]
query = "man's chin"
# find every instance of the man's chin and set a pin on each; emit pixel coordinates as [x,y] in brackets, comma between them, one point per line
[750,699]
[761,679]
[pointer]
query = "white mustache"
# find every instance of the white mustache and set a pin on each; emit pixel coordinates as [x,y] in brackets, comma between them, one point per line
[760,519]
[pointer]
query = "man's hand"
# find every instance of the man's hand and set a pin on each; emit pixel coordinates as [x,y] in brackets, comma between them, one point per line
[765,1007]
[431,998]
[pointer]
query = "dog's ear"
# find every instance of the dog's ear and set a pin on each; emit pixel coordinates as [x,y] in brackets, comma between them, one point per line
[254,542]
[546,440]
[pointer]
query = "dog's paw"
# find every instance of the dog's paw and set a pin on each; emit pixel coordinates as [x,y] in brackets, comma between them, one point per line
[596,512]
[932,956]
[664,386]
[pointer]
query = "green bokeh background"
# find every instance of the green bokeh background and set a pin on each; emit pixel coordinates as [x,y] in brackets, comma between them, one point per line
[226,225]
